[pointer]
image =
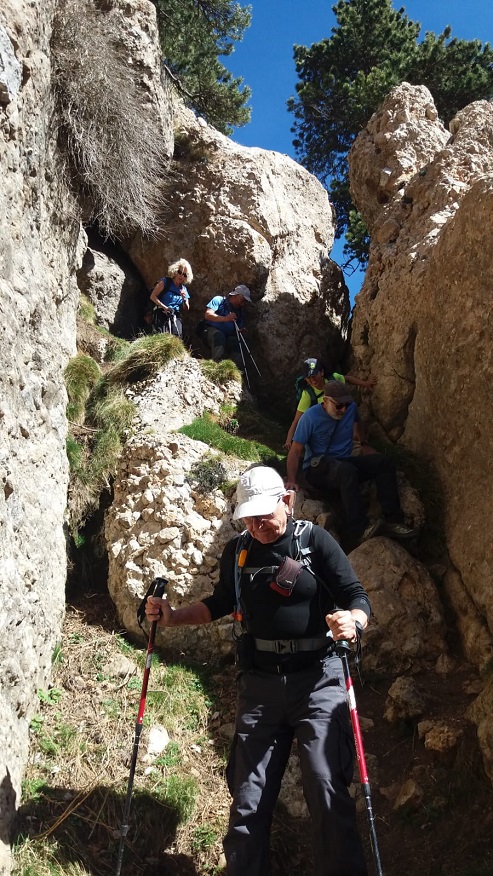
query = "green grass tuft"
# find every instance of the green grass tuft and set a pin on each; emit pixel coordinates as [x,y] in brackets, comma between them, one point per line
[86,310]
[207,430]
[221,372]
[81,375]
[146,357]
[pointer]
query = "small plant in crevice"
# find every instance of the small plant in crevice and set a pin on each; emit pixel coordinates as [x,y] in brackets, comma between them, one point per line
[207,474]
[221,372]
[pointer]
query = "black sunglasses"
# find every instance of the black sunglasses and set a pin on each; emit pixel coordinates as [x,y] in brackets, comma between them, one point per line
[339,406]
[182,273]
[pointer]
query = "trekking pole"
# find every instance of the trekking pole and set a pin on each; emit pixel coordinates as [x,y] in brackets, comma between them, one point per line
[342,648]
[247,348]
[242,356]
[157,588]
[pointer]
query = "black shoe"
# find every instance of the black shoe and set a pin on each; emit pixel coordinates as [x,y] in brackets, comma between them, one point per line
[400,530]
[371,530]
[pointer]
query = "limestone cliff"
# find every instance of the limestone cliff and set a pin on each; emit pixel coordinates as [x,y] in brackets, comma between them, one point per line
[41,248]
[421,321]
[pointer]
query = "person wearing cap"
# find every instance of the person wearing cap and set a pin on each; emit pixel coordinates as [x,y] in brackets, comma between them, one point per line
[224,318]
[323,444]
[169,297]
[290,683]
[311,382]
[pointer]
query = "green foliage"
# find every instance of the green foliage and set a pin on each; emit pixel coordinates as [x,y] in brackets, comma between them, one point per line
[106,415]
[221,372]
[206,430]
[81,375]
[50,697]
[207,474]
[113,153]
[193,34]
[86,310]
[357,239]
[342,81]
[172,756]
[75,453]
[179,701]
[117,348]
[146,357]
[98,403]
[180,794]
[204,836]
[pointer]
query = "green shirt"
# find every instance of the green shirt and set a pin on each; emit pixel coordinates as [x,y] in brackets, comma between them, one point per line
[305,401]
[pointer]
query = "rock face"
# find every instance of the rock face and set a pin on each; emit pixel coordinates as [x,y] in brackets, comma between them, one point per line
[38,299]
[421,320]
[41,248]
[163,521]
[407,629]
[243,215]
[114,292]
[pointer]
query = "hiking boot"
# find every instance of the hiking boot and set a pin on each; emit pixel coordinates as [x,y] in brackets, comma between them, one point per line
[400,530]
[371,530]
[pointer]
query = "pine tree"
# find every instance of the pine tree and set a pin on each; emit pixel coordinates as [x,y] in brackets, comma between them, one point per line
[344,79]
[193,34]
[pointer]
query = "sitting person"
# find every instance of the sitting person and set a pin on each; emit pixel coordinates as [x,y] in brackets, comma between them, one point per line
[224,319]
[323,443]
[311,383]
[169,296]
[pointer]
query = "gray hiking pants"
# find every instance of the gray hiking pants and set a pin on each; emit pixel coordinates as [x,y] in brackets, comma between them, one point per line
[224,346]
[310,706]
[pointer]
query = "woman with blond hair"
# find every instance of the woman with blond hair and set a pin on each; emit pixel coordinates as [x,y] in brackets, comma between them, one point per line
[169,296]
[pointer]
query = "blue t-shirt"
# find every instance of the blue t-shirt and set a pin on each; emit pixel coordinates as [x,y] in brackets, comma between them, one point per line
[317,430]
[172,298]
[222,306]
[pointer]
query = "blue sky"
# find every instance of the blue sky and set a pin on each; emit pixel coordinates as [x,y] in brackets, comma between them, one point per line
[265,61]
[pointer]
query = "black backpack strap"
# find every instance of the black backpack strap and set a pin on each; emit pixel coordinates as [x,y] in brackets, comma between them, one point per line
[313,395]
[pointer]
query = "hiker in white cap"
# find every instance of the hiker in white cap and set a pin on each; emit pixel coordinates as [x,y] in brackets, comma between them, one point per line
[292,592]
[224,318]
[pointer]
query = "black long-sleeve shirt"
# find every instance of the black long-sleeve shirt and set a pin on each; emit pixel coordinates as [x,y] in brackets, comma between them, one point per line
[268,614]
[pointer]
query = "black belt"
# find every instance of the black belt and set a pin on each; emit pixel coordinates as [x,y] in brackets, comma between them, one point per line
[292,646]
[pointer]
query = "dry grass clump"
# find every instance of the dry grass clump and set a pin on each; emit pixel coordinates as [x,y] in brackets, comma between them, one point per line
[113,153]
[146,357]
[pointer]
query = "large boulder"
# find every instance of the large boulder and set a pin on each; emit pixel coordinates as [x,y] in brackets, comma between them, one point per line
[420,324]
[407,632]
[247,215]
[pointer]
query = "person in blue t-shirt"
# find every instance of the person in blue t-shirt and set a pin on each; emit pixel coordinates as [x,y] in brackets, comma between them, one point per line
[169,296]
[223,317]
[323,443]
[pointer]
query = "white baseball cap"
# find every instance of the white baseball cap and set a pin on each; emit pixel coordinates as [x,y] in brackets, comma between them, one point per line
[258,492]
[242,290]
